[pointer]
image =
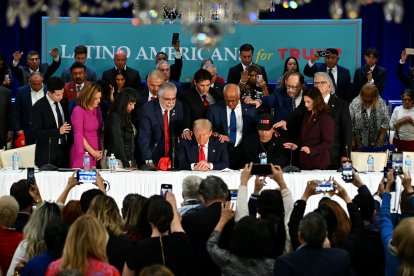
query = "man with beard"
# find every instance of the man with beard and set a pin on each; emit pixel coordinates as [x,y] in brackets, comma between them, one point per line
[72,88]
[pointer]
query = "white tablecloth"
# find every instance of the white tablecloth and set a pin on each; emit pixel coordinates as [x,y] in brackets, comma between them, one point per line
[51,184]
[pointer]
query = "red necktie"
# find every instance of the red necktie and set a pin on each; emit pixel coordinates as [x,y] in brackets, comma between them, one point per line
[152,98]
[205,102]
[201,154]
[166,134]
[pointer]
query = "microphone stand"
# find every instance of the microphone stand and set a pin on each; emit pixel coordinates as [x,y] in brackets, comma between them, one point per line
[48,166]
[174,154]
[291,168]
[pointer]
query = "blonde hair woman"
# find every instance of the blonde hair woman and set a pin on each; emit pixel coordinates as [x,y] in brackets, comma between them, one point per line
[87,126]
[85,249]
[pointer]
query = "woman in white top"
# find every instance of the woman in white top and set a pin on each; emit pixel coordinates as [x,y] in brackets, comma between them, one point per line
[402,121]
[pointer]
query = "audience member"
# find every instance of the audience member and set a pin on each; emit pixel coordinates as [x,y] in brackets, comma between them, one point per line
[87,197]
[104,208]
[168,244]
[311,258]
[402,122]
[217,83]
[50,126]
[238,73]
[254,87]
[76,84]
[177,67]
[120,132]
[191,198]
[370,118]
[9,237]
[71,212]
[80,55]
[164,67]
[370,73]
[406,78]
[340,76]
[128,200]
[120,81]
[85,249]
[156,270]
[316,136]
[5,73]
[161,119]
[87,127]
[291,65]
[26,97]
[197,100]
[6,116]
[120,60]
[154,80]
[232,120]
[22,74]
[136,225]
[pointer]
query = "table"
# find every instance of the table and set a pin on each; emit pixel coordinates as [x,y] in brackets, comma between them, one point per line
[51,184]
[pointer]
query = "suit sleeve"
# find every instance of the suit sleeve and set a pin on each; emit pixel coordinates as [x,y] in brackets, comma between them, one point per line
[17,112]
[223,158]
[182,156]
[381,79]
[37,123]
[346,130]
[176,69]
[78,120]
[18,73]
[310,71]
[145,135]
[327,135]
[232,78]
[187,113]
[404,78]
[51,69]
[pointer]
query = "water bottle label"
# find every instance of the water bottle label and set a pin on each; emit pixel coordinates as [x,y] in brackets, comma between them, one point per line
[86,160]
[408,162]
[370,161]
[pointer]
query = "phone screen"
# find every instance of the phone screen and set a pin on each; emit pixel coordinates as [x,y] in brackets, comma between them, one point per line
[261,169]
[347,175]
[324,186]
[30,176]
[165,188]
[397,162]
[86,177]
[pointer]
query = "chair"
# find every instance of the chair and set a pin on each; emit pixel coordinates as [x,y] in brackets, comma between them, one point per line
[359,160]
[26,155]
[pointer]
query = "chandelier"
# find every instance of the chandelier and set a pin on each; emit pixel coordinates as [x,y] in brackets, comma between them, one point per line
[188,12]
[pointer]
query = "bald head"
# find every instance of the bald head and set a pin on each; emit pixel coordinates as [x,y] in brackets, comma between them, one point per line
[232,95]
[36,81]
[120,59]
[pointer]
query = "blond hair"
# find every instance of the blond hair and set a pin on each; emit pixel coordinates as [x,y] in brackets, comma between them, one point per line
[87,238]
[202,124]
[370,87]
[9,208]
[403,242]
[104,208]
[87,95]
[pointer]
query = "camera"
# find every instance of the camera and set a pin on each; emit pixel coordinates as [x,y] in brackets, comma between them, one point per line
[324,53]
[86,176]
[325,186]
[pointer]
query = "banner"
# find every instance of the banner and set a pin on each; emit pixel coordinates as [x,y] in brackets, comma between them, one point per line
[273,41]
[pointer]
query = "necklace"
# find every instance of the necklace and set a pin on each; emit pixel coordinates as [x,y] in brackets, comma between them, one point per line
[264,150]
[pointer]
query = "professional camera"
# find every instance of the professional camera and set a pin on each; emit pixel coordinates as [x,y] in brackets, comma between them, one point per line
[323,53]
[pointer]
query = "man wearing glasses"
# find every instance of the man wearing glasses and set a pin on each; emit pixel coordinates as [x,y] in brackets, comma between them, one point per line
[22,74]
[161,121]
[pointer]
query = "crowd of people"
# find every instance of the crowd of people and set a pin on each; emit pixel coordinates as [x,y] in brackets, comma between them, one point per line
[266,233]
[145,125]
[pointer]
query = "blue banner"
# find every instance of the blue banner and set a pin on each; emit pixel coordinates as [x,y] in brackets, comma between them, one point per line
[273,41]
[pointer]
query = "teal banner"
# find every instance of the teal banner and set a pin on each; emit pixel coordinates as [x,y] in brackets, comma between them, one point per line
[273,41]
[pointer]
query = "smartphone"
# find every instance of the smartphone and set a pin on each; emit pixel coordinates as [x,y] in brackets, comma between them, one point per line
[386,170]
[409,51]
[367,69]
[261,169]
[175,39]
[30,177]
[86,176]
[323,53]
[325,186]
[347,174]
[259,78]
[397,162]
[233,197]
[165,188]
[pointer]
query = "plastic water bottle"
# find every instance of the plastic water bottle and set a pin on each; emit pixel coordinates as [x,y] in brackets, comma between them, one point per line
[408,164]
[15,161]
[263,158]
[370,162]
[86,162]
[112,163]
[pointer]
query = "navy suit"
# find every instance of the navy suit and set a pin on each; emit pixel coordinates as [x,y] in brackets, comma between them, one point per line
[343,79]
[280,101]
[217,153]
[134,78]
[406,79]
[22,74]
[5,114]
[235,72]
[379,75]
[314,262]
[151,129]
[67,76]
[22,110]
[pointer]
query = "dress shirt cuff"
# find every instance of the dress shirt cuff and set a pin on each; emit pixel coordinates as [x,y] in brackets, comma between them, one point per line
[371,81]
[310,63]
[178,55]
[402,62]
[211,166]
[56,59]
[186,129]
[192,166]
[15,63]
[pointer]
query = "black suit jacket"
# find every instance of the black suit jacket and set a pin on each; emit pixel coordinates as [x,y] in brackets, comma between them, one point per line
[5,114]
[134,78]
[406,79]
[235,72]
[217,153]
[176,69]
[379,75]
[194,107]
[151,129]
[22,73]
[44,128]
[343,82]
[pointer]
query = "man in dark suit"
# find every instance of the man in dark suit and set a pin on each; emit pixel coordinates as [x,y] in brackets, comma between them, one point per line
[22,74]
[340,76]
[232,120]
[164,67]
[5,116]
[311,258]
[26,97]
[157,115]
[150,92]
[177,67]
[205,152]
[50,127]
[371,72]
[120,60]
[80,55]
[78,75]
[198,224]
[405,78]
[197,100]
[215,84]
[238,72]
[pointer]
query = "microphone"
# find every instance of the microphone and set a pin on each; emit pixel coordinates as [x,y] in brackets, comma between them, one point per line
[291,168]
[48,166]
[174,151]
[148,167]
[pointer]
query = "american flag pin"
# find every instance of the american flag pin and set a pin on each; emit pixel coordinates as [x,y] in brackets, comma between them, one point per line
[214,150]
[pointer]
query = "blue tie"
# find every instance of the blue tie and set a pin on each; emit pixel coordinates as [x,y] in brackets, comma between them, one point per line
[233,127]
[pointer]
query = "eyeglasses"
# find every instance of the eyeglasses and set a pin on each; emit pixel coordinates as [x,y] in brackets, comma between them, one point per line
[407,100]
[169,99]
[291,87]
[320,83]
